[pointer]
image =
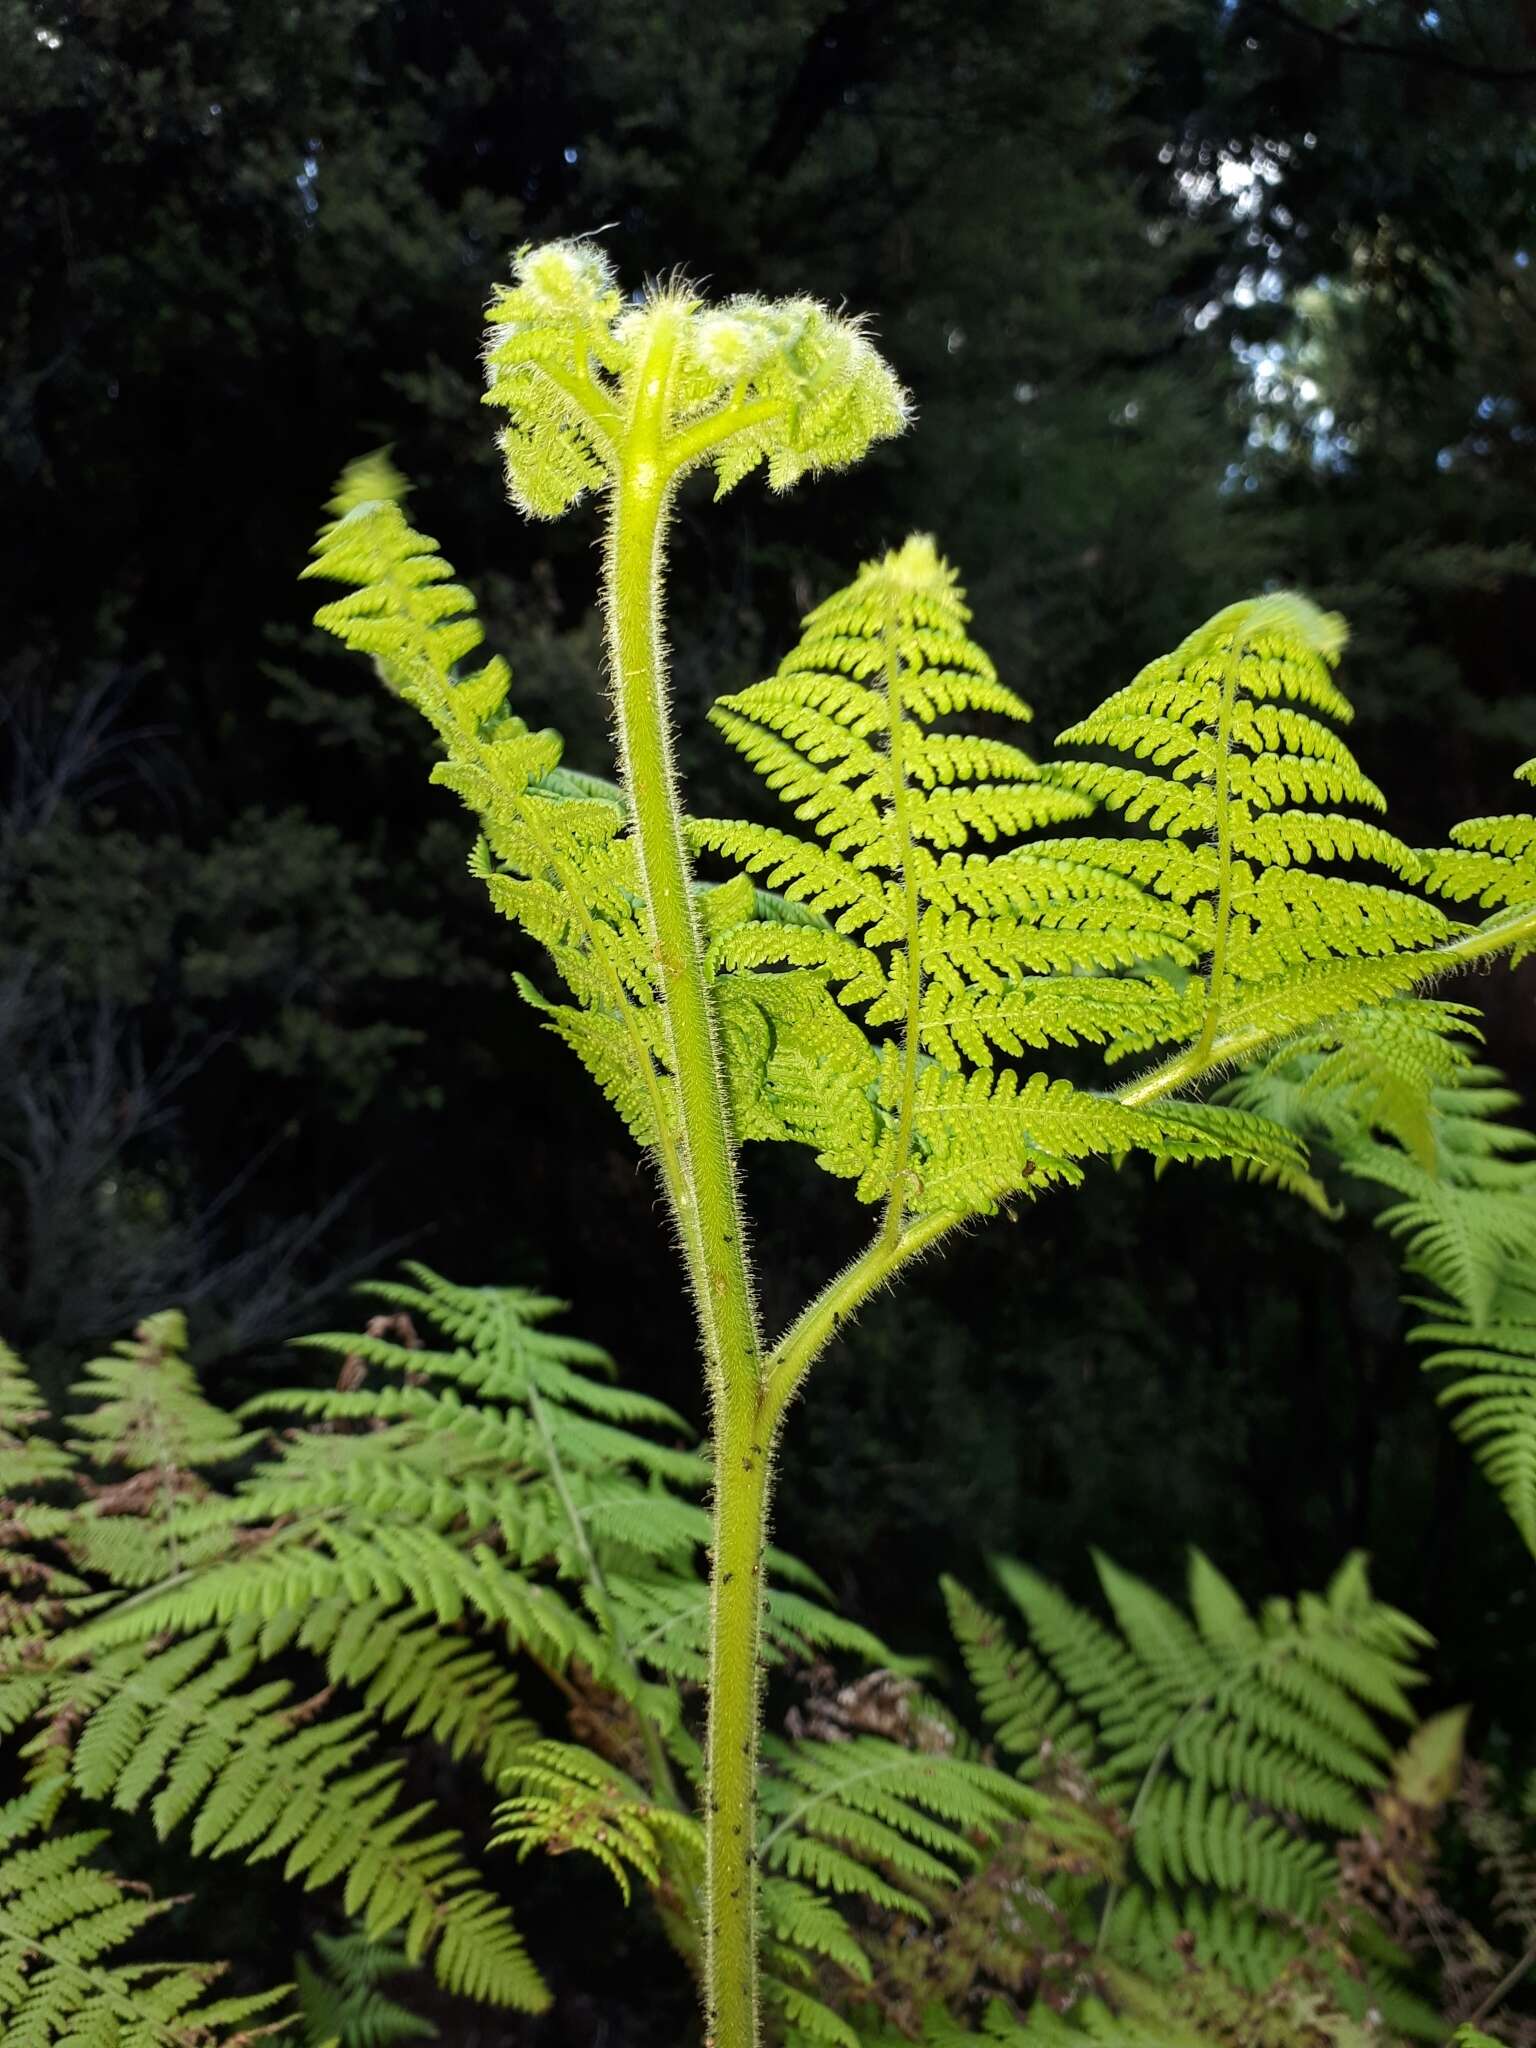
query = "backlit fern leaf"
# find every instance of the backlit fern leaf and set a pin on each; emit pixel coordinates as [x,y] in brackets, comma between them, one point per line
[1490,862]
[1239,778]
[964,956]
[553,856]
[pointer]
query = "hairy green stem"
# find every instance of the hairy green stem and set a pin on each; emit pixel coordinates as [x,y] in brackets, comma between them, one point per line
[705,1194]
[813,1330]
[743,1484]
[707,1200]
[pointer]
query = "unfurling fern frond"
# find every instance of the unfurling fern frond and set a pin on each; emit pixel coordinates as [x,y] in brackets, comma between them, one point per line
[785,382]
[1238,773]
[955,959]
[64,1922]
[1239,1744]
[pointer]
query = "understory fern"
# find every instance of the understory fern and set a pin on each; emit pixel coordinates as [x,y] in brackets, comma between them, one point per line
[1238,1747]
[450,1505]
[65,1923]
[342,1996]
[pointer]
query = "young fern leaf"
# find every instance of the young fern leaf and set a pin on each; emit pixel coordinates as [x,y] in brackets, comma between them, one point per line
[959,955]
[1238,771]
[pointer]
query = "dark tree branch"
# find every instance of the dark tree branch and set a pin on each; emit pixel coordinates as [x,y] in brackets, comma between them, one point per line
[1405,53]
[836,56]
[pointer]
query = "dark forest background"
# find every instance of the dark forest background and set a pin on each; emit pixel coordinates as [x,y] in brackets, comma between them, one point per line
[1192,296]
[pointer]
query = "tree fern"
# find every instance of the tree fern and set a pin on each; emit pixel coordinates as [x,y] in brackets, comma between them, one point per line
[883,1004]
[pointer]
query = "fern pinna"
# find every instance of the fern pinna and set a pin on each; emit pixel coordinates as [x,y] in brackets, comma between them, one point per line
[1397,1095]
[880,998]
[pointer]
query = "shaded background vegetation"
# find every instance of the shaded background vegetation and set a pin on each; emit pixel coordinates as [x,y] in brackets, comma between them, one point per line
[1192,296]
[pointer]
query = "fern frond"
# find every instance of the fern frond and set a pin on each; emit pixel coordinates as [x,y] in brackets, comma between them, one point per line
[342,1999]
[783,382]
[63,1921]
[566,1799]
[1490,862]
[967,958]
[872,1818]
[147,1412]
[29,1461]
[1233,1738]
[255,1774]
[553,857]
